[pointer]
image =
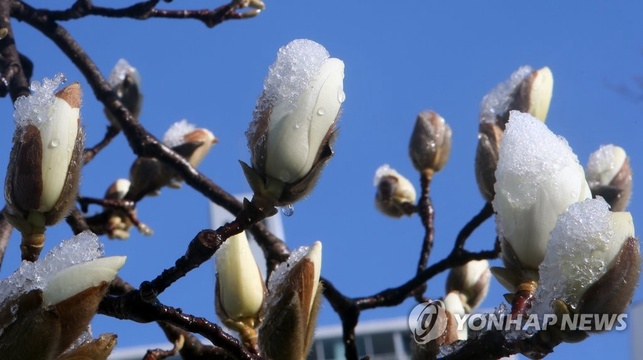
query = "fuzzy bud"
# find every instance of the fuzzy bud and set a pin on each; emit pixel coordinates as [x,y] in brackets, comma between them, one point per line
[290,138]
[430,143]
[471,281]
[609,175]
[126,83]
[395,195]
[240,289]
[526,90]
[44,169]
[293,303]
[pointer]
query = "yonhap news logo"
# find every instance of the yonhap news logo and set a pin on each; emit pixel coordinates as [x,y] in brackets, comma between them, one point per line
[428,321]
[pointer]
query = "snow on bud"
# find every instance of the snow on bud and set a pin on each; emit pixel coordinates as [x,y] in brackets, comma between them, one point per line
[75,279]
[471,281]
[592,262]
[188,141]
[292,306]
[527,91]
[609,176]
[538,177]
[47,305]
[430,143]
[126,83]
[290,138]
[44,169]
[240,288]
[148,175]
[395,195]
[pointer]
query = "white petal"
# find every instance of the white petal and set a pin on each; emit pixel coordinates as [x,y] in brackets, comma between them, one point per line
[75,279]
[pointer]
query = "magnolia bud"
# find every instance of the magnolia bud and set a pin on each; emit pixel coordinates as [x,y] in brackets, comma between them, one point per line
[487,158]
[290,138]
[292,306]
[57,315]
[118,222]
[533,95]
[536,182]
[149,175]
[526,91]
[240,288]
[126,82]
[609,175]
[395,195]
[44,169]
[455,307]
[471,281]
[600,275]
[96,349]
[430,143]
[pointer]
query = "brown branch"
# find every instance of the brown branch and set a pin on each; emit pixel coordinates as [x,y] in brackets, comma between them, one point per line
[427,215]
[146,10]
[76,221]
[348,312]
[131,306]
[485,213]
[89,154]
[201,249]
[14,79]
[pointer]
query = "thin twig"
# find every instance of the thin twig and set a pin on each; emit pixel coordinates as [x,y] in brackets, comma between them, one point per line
[427,215]
[146,10]
[89,154]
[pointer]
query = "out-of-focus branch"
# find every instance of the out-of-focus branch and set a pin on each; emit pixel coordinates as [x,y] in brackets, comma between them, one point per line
[485,213]
[348,312]
[76,221]
[16,69]
[427,215]
[90,153]
[147,9]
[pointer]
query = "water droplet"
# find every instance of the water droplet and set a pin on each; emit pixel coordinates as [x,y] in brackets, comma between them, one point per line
[54,143]
[321,111]
[341,96]
[288,210]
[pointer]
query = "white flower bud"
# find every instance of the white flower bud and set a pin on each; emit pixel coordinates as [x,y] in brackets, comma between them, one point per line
[75,279]
[44,170]
[239,283]
[609,175]
[126,83]
[395,194]
[454,306]
[118,189]
[598,238]
[537,178]
[294,121]
[191,143]
[471,280]
[535,94]
[48,130]
[292,306]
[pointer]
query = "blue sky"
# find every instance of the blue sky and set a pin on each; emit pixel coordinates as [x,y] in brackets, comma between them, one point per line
[399,61]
